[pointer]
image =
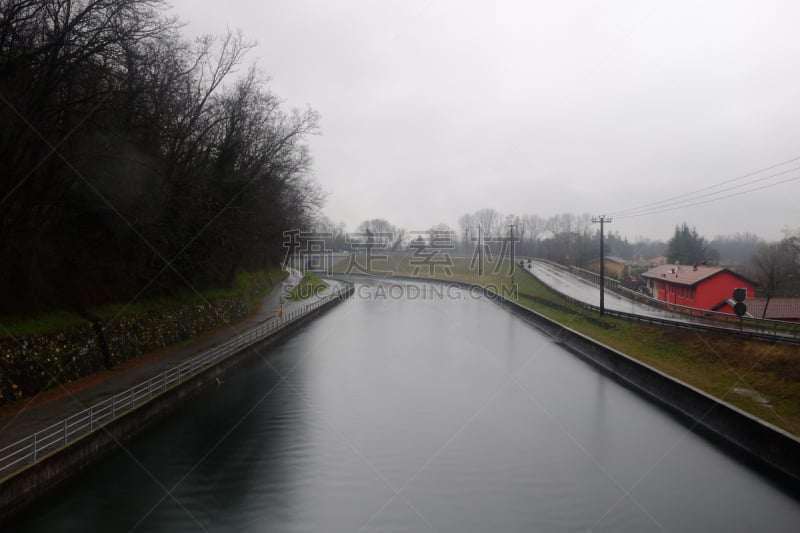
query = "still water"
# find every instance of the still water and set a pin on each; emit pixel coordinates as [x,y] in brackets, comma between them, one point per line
[414,408]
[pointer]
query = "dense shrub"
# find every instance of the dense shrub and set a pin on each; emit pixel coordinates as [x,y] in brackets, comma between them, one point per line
[36,363]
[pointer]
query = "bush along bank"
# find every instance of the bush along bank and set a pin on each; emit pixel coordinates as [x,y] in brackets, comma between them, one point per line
[36,362]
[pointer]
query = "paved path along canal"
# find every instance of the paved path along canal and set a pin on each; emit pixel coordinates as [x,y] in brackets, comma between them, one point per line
[418,407]
[15,425]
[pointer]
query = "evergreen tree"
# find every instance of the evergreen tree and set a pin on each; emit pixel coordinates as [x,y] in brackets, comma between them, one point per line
[687,247]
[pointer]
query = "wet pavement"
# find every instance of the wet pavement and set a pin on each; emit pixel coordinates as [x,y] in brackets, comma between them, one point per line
[585,291]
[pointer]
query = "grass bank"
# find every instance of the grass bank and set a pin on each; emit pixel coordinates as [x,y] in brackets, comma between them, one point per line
[252,285]
[41,352]
[761,378]
[309,285]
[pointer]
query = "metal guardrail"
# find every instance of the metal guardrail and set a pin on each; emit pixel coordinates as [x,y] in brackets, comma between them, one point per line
[32,448]
[686,317]
[778,329]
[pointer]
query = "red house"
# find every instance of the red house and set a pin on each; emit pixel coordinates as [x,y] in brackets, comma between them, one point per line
[702,287]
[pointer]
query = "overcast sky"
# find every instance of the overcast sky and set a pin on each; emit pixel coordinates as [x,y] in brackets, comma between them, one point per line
[434,108]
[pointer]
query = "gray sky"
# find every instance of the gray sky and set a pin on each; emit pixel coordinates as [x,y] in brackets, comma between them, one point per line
[434,108]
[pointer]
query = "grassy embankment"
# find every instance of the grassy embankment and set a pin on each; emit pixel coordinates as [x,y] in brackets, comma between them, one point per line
[309,285]
[21,326]
[718,363]
[40,352]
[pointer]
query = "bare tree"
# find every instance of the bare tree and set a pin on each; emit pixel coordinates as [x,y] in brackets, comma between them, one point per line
[772,264]
[489,220]
[736,249]
[128,159]
[336,230]
[561,223]
[535,226]
[383,232]
[62,67]
[792,240]
[583,224]
[441,235]
[469,229]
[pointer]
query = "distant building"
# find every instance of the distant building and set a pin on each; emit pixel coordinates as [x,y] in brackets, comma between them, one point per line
[615,267]
[649,262]
[786,309]
[701,286]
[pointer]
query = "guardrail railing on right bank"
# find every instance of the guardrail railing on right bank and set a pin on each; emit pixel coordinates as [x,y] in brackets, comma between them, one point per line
[680,316]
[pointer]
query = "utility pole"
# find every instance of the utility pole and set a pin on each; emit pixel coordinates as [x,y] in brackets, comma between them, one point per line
[480,251]
[602,220]
[511,244]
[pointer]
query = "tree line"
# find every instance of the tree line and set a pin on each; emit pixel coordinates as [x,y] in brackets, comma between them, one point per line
[566,238]
[572,239]
[134,160]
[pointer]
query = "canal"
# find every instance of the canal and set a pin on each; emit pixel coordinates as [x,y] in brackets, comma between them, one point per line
[417,407]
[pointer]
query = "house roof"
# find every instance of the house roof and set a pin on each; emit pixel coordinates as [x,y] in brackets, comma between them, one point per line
[686,274]
[778,308]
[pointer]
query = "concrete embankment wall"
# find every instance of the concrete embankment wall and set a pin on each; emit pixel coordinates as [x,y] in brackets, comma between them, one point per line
[753,439]
[757,442]
[22,488]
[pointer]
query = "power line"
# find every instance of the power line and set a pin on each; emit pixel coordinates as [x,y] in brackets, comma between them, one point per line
[657,211]
[667,205]
[691,196]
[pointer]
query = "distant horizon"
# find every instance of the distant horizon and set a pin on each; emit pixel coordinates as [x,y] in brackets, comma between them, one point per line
[610,228]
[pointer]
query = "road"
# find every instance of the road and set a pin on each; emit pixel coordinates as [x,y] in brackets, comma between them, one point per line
[585,291]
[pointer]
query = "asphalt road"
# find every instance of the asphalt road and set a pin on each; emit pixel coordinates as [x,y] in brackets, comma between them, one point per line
[585,291]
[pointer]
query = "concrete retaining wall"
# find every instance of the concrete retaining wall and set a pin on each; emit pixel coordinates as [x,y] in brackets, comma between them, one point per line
[22,488]
[755,440]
